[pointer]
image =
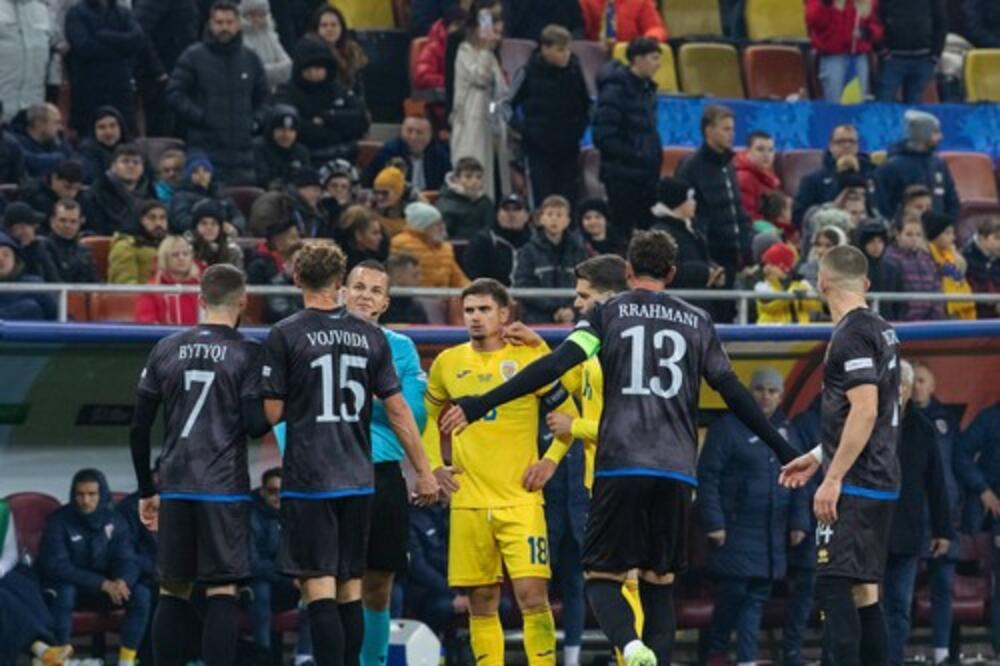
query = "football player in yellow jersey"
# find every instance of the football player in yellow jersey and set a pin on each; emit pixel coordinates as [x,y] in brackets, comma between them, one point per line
[497,518]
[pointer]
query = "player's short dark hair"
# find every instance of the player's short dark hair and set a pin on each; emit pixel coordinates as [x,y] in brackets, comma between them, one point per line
[605,272]
[270,474]
[846,262]
[641,46]
[652,254]
[468,164]
[126,150]
[372,265]
[555,35]
[714,113]
[319,264]
[224,6]
[758,134]
[222,285]
[488,287]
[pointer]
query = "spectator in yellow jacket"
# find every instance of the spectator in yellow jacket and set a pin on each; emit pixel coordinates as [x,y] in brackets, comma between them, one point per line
[425,238]
[132,257]
[940,232]
[777,264]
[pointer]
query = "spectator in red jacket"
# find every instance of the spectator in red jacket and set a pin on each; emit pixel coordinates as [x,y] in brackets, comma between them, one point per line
[613,21]
[176,263]
[429,70]
[843,32]
[755,172]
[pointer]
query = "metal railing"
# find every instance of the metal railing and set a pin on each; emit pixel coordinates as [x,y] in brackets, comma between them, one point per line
[741,297]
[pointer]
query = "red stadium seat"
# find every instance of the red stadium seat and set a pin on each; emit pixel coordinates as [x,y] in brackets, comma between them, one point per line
[243,196]
[792,165]
[672,158]
[973,174]
[30,511]
[100,247]
[154,146]
[113,307]
[514,54]
[367,149]
[773,71]
[592,57]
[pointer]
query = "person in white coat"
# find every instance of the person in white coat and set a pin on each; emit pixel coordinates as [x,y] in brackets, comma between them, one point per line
[260,36]
[477,126]
[26,40]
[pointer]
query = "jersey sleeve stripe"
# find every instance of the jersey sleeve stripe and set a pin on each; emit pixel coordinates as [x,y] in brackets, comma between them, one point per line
[585,340]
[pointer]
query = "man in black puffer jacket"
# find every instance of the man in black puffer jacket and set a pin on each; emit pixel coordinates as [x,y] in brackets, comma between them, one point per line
[550,107]
[915,31]
[720,214]
[216,89]
[105,44]
[626,135]
[333,117]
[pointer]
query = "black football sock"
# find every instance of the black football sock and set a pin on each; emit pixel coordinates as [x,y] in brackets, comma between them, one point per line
[841,624]
[612,611]
[221,631]
[327,633]
[169,628]
[352,619]
[659,619]
[874,636]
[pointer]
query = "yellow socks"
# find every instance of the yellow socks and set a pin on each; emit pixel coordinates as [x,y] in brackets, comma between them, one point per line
[486,636]
[540,636]
[126,656]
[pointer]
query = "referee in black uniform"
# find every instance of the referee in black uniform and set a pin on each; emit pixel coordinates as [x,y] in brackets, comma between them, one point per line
[859,429]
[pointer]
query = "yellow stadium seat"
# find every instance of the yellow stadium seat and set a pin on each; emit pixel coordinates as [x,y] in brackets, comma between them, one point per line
[776,19]
[711,69]
[982,75]
[686,18]
[666,75]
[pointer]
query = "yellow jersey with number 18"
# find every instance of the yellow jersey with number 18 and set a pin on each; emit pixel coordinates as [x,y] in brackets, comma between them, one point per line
[494,452]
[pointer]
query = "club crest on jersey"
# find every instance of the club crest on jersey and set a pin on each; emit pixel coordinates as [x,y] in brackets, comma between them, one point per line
[942,426]
[508,369]
[109,530]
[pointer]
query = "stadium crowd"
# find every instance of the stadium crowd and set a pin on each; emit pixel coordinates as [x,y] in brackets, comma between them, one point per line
[257,110]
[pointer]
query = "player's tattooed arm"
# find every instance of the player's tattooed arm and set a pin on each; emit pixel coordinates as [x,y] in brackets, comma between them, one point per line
[857,429]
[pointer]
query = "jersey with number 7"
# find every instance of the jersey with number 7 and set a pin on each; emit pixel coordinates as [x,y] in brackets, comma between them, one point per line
[327,366]
[203,375]
[654,349]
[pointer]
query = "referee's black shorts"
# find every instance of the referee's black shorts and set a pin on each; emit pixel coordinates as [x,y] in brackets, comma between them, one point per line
[203,542]
[637,522]
[857,545]
[324,537]
[387,541]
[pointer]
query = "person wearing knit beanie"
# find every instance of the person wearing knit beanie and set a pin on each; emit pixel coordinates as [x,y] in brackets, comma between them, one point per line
[392,181]
[779,276]
[421,217]
[936,224]
[761,243]
[923,130]
[197,161]
[424,237]
[780,256]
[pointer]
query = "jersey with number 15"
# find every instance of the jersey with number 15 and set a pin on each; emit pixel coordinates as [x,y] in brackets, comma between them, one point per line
[202,376]
[654,349]
[327,366]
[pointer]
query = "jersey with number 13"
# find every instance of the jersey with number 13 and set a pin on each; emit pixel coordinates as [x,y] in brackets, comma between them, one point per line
[654,349]
[327,366]
[202,376]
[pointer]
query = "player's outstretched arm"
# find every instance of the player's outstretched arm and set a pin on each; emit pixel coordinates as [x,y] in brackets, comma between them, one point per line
[405,426]
[742,404]
[857,429]
[537,374]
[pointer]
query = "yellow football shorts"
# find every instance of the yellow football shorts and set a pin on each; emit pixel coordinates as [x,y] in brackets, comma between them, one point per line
[483,540]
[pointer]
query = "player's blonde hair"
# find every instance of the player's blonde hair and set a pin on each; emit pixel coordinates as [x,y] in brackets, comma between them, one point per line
[319,265]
